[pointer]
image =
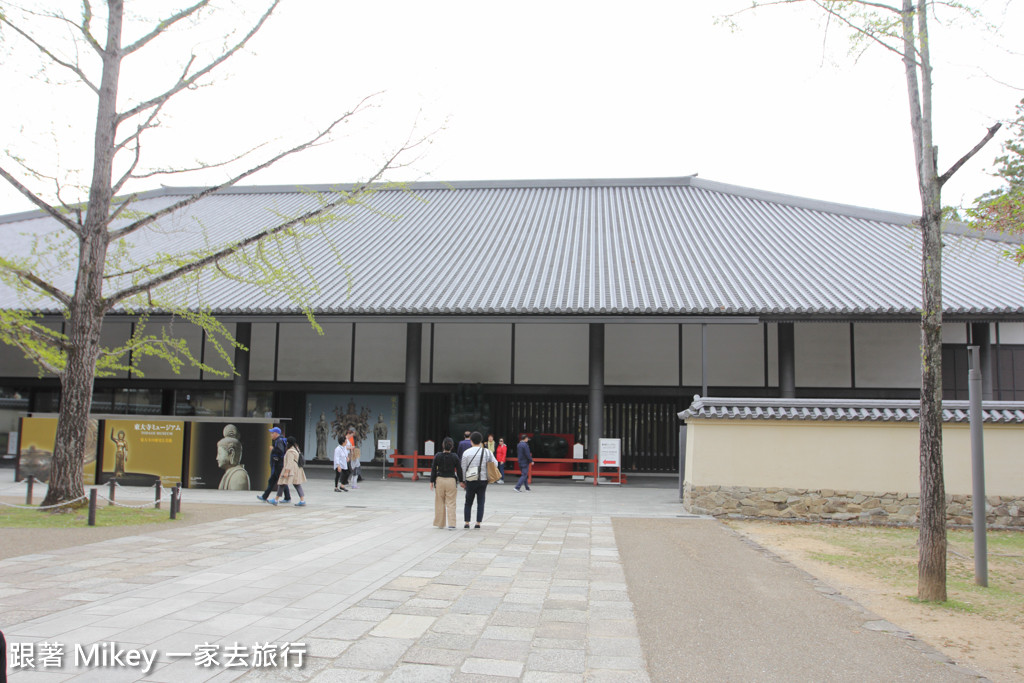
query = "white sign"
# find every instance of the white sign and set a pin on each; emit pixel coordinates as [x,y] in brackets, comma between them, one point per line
[428,448]
[384,444]
[609,453]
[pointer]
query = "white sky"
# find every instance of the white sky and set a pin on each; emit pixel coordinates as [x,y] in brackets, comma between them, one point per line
[554,89]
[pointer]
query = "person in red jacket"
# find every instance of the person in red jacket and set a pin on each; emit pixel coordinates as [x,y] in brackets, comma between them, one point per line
[499,454]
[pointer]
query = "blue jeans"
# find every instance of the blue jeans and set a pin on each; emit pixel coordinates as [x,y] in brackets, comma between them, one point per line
[523,477]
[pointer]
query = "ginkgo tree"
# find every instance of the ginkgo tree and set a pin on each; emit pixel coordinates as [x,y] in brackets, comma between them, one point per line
[902,29]
[87,265]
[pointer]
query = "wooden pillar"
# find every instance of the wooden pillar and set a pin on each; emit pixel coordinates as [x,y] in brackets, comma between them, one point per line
[595,414]
[240,382]
[410,441]
[787,361]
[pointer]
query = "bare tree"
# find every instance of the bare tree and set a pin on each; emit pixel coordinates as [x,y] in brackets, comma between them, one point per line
[97,232]
[902,29]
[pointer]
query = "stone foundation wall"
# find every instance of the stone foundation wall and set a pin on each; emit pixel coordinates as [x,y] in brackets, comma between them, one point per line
[840,506]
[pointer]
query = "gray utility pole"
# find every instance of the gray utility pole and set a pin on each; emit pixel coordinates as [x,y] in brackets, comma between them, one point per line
[977,468]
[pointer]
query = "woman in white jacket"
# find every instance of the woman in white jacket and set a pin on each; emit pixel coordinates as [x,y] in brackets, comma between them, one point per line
[340,465]
[474,468]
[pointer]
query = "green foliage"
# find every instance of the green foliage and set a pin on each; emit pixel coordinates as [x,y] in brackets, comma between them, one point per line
[1002,210]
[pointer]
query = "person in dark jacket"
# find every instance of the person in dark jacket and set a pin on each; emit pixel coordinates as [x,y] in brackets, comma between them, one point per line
[464,444]
[525,459]
[276,465]
[445,473]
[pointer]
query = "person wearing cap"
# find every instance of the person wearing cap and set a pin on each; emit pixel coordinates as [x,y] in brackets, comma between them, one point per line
[277,450]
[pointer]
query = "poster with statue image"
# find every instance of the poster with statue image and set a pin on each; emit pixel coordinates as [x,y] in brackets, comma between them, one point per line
[229,455]
[142,451]
[328,416]
[36,437]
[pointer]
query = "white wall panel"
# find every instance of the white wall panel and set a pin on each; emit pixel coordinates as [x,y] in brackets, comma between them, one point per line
[646,355]
[887,355]
[158,368]
[953,333]
[380,352]
[213,359]
[13,362]
[472,352]
[1009,333]
[822,354]
[261,352]
[553,354]
[115,333]
[691,355]
[736,355]
[303,355]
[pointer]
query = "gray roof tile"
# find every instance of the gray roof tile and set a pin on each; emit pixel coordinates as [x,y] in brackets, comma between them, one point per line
[640,247]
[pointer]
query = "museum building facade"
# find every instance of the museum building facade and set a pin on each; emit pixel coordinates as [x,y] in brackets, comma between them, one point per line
[586,308]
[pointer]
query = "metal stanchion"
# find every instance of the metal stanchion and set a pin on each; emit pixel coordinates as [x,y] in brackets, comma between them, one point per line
[174,502]
[112,484]
[177,496]
[92,507]
[159,490]
[28,493]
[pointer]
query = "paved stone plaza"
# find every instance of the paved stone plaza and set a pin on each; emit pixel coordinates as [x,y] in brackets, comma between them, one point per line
[363,588]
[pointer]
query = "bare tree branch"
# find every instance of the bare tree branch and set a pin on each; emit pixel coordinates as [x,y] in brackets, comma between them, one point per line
[156,215]
[39,283]
[164,25]
[215,258]
[965,158]
[199,167]
[45,206]
[74,68]
[184,83]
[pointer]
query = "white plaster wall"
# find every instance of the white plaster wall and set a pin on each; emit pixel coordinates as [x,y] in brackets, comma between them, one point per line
[735,355]
[887,355]
[13,362]
[691,355]
[1010,333]
[855,456]
[116,332]
[304,355]
[380,352]
[213,359]
[822,354]
[646,355]
[472,352]
[953,333]
[157,368]
[553,354]
[261,351]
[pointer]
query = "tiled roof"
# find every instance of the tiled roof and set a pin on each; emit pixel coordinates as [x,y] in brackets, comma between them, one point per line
[640,247]
[840,410]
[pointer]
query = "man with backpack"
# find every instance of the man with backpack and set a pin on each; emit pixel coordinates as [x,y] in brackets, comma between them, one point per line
[277,451]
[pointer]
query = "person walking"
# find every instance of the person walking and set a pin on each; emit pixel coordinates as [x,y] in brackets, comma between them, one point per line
[280,445]
[474,469]
[500,454]
[445,476]
[525,459]
[292,473]
[355,469]
[340,465]
[464,444]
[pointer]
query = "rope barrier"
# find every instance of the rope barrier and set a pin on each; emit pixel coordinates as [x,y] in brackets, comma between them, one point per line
[44,507]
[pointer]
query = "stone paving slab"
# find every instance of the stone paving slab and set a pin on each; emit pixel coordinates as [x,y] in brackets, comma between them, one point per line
[362,583]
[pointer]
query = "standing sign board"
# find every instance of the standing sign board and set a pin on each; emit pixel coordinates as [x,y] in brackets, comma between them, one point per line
[383,445]
[610,455]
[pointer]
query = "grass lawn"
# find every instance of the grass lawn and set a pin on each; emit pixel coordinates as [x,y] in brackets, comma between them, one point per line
[106,515]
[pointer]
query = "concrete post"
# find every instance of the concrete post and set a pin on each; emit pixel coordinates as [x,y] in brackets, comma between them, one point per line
[240,382]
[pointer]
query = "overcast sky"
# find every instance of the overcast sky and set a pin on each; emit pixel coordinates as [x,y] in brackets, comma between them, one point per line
[557,89]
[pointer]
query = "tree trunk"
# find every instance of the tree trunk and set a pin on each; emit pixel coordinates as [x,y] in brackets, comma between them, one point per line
[87,308]
[931,566]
